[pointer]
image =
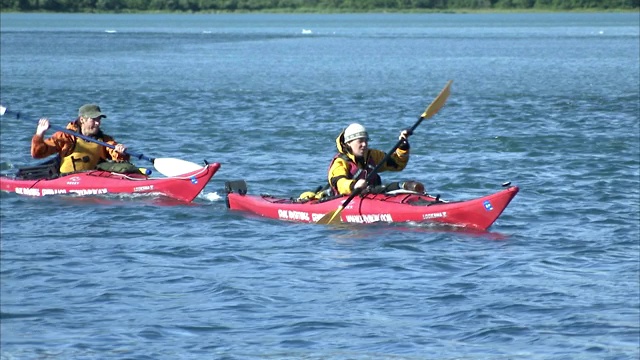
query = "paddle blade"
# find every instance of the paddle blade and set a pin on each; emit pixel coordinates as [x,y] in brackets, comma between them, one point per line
[171,167]
[2,110]
[438,102]
[331,218]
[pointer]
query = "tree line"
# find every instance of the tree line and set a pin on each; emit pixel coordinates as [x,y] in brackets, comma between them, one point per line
[308,5]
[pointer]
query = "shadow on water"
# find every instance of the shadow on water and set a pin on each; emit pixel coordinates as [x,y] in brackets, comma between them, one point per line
[380,229]
[352,231]
[113,199]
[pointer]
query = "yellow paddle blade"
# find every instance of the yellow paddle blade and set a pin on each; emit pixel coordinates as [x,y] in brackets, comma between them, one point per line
[332,217]
[438,102]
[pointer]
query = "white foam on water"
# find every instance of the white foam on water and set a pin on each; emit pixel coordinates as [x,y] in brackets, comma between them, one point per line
[212,196]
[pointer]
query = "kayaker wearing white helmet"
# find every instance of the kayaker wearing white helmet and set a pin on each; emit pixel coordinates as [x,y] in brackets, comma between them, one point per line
[355,160]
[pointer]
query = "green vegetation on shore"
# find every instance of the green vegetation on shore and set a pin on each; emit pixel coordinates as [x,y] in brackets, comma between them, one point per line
[314,6]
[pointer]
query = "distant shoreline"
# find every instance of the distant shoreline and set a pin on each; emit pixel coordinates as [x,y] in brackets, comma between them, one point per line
[342,11]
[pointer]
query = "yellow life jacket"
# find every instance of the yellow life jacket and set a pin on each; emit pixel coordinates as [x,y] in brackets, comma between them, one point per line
[85,156]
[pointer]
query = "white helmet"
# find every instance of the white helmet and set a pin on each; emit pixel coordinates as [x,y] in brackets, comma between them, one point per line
[355,131]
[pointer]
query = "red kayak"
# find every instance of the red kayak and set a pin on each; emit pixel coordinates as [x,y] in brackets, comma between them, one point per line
[395,207]
[94,182]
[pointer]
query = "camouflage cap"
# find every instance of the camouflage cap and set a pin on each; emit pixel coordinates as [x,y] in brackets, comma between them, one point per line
[91,111]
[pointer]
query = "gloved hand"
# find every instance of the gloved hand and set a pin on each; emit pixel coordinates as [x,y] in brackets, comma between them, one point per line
[404,138]
[360,184]
[404,134]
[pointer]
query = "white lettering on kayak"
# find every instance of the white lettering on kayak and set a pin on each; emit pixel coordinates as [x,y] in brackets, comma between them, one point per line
[28,191]
[88,191]
[143,188]
[370,218]
[44,192]
[316,217]
[53,191]
[293,215]
[435,215]
[75,180]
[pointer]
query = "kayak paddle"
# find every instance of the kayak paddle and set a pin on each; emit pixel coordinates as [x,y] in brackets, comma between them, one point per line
[168,167]
[333,217]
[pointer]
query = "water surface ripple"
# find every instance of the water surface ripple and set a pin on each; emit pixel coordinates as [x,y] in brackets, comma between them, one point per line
[549,102]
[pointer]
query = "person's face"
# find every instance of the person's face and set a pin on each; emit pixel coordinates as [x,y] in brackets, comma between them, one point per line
[358,146]
[90,126]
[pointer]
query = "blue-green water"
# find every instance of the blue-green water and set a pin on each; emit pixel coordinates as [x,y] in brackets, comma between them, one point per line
[547,101]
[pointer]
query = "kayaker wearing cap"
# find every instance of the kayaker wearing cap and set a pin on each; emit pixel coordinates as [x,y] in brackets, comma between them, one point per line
[77,154]
[355,160]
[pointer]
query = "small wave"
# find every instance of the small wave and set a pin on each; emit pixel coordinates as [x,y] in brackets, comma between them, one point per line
[4,166]
[41,313]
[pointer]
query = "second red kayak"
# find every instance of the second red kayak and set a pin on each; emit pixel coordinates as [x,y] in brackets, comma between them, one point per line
[397,207]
